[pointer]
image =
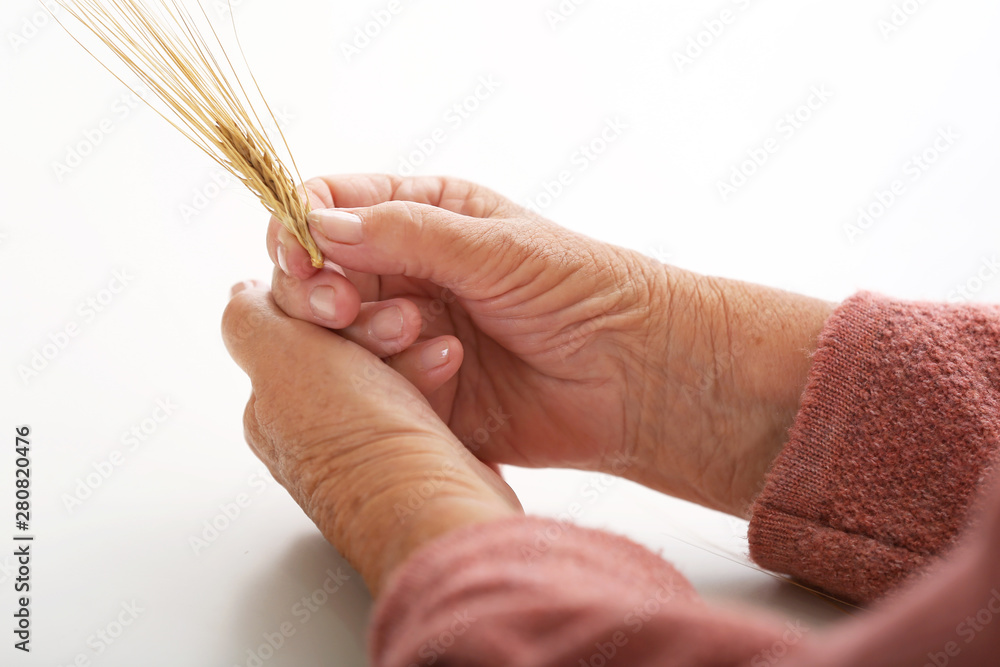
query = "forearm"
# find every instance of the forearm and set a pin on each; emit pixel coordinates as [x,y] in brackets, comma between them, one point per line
[723,386]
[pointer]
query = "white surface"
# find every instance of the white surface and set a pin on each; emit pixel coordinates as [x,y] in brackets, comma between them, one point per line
[654,190]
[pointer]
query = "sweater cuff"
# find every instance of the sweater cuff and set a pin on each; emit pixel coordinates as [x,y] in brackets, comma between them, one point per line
[531,581]
[897,428]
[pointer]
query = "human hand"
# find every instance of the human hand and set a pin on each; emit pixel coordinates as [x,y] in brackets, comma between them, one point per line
[355,443]
[552,326]
[561,350]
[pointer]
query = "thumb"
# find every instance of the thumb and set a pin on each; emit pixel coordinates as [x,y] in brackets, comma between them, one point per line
[421,241]
[271,347]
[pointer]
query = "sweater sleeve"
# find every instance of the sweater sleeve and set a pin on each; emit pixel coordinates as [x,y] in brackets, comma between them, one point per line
[896,435]
[897,430]
[535,592]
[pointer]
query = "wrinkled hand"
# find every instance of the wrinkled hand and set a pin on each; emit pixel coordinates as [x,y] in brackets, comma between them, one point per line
[548,331]
[542,347]
[353,441]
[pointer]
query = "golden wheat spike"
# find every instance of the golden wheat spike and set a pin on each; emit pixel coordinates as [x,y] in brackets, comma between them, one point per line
[189,70]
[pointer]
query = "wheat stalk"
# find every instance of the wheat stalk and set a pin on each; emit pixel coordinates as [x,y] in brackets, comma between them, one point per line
[188,69]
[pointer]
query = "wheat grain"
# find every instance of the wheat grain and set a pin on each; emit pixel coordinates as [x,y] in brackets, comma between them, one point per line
[178,56]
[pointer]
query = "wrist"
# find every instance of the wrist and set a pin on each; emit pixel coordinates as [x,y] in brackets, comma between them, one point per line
[438,518]
[724,382]
[377,518]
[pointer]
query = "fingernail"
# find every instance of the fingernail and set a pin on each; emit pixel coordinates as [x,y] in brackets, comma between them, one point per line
[336,225]
[321,302]
[435,355]
[284,237]
[387,324]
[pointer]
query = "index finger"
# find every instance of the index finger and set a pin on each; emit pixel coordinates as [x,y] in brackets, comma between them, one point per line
[364,190]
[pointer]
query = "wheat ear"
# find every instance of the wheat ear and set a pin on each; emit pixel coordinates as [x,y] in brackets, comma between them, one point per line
[188,69]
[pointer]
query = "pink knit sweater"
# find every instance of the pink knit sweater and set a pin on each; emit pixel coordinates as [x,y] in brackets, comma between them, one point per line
[881,495]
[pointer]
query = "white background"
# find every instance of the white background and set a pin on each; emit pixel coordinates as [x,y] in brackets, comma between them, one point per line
[655,188]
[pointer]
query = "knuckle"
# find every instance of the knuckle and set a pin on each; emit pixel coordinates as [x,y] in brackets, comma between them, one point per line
[393,219]
[317,191]
[469,198]
[396,210]
[421,189]
[233,316]
[401,224]
[241,319]
[286,290]
[251,426]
